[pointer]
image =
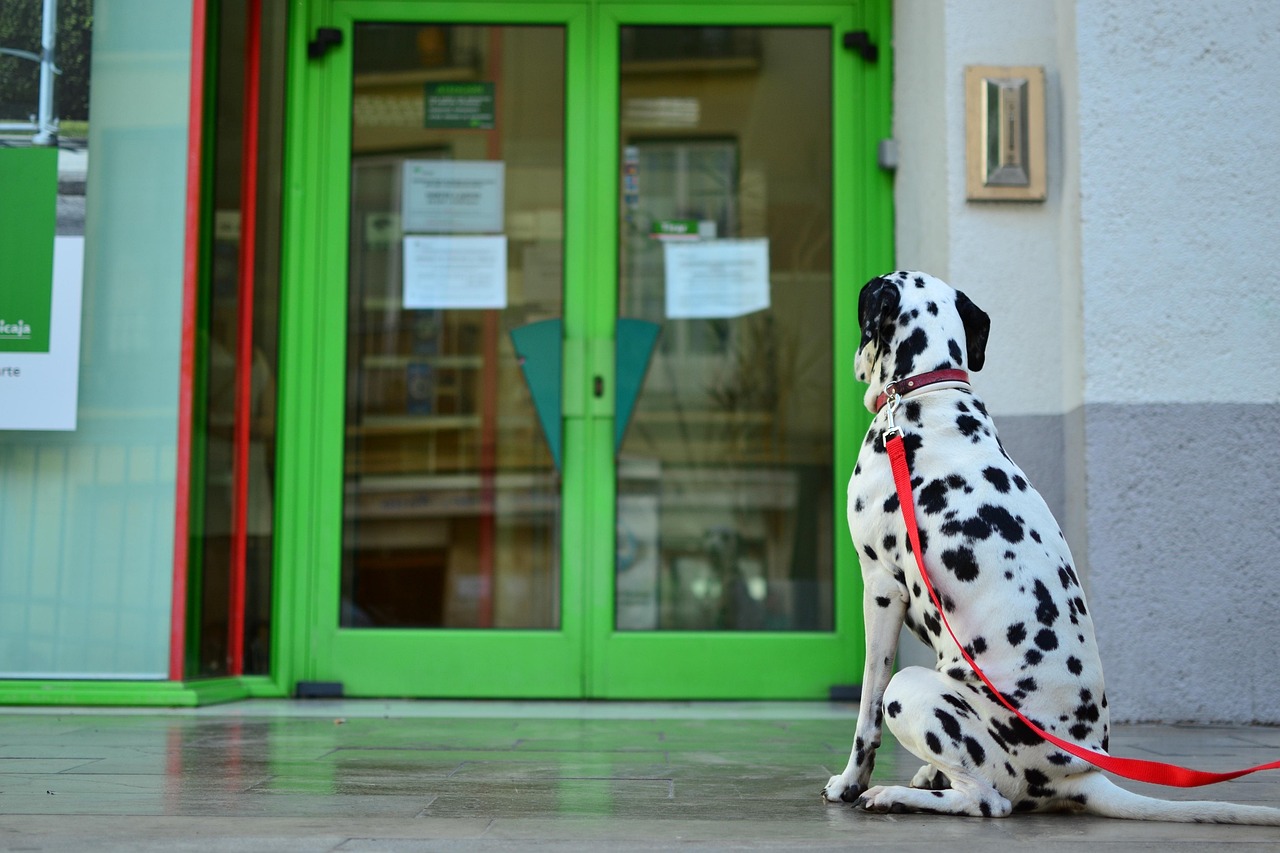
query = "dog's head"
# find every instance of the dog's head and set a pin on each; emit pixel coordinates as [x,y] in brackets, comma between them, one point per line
[913,323]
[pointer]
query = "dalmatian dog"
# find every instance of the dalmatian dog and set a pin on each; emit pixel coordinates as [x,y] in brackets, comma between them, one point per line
[1004,576]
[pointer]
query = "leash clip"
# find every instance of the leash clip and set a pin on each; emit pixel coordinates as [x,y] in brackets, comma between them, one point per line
[891,405]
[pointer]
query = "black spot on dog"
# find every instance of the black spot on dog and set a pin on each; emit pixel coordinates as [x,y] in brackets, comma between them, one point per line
[957,355]
[1035,777]
[891,503]
[998,479]
[933,743]
[904,357]
[933,624]
[969,426]
[1087,711]
[1033,657]
[1047,640]
[950,726]
[1037,783]
[971,528]
[1046,611]
[932,308]
[1074,666]
[894,709]
[1002,521]
[976,753]
[963,707]
[933,498]
[883,601]
[1016,733]
[1016,633]
[890,542]
[1020,483]
[962,563]
[870,552]
[1060,759]
[858,505]
[1028,685]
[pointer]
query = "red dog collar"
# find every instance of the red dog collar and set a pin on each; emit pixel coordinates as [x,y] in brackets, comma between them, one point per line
[903,387]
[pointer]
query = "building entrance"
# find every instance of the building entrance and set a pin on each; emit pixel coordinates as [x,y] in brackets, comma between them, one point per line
[569,320]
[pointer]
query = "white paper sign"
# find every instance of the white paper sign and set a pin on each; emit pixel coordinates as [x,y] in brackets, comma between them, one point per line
[452,196]
[40,390]
[455,272]
[716,278]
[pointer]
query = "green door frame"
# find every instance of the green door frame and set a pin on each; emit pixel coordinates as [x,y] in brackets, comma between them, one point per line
[530,663]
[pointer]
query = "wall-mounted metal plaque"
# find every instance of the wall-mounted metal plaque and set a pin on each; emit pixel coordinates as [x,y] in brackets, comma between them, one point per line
[1005,133]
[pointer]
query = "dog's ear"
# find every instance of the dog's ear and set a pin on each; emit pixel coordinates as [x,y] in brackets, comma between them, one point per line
[878,305]
[977,326]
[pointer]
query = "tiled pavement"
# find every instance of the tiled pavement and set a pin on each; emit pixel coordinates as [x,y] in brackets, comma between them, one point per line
[276,775]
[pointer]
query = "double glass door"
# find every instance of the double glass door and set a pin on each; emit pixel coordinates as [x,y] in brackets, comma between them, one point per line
[581,415]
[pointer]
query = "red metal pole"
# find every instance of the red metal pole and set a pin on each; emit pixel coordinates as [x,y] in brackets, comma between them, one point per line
[244,335]
[187,353]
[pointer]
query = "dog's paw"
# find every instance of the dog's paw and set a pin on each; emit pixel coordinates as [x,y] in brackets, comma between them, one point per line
[839,791]
[930,778]
[880,800]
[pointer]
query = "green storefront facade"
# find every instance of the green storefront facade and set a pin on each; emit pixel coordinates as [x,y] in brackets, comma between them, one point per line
[504,350]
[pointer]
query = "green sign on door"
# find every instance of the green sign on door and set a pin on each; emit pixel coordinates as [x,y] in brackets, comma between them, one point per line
[460,106]
[28,217]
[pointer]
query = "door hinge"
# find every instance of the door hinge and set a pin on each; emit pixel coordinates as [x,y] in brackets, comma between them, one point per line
[326,39]
[860,41]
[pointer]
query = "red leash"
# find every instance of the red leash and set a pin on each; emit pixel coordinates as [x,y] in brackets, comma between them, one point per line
[1130,768]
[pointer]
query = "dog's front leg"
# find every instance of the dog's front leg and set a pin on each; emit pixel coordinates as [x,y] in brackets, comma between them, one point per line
[884,603]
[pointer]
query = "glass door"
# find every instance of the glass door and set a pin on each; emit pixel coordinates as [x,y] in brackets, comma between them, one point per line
[729,574]
[444,568]
[571,402]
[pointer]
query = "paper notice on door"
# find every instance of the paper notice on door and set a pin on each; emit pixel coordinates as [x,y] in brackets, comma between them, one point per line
[455,272]
[716,278]
[452,196]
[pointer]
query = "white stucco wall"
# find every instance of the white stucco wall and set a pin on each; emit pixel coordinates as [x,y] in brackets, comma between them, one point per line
[1179,117]
[1004,255]
[1180,131]
[1135,313]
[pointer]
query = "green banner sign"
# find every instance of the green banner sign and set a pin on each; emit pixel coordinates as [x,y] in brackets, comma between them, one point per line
[28,219]
[460,106]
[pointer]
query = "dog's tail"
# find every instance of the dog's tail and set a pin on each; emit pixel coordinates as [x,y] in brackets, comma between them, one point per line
[1104,798]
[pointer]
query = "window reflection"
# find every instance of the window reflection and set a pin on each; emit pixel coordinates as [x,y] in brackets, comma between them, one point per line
[725,477]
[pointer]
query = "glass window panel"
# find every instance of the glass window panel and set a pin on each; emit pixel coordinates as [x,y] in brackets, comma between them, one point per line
[212,554]
[452,496]
[725,476]
[87,516]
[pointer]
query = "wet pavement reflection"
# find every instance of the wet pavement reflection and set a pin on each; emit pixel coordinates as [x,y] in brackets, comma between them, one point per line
[277,775]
